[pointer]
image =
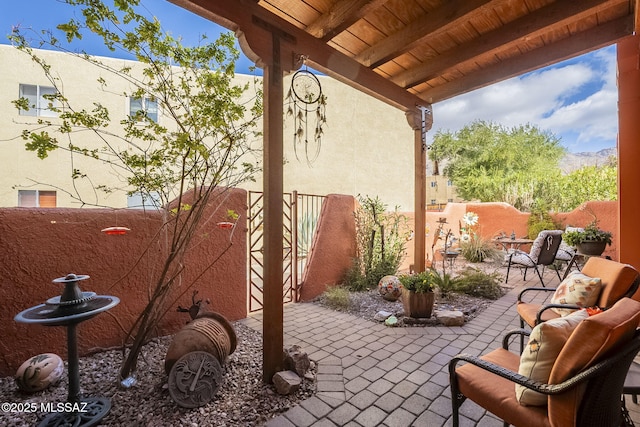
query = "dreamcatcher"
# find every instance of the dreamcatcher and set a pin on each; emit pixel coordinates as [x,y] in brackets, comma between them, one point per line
[306,103]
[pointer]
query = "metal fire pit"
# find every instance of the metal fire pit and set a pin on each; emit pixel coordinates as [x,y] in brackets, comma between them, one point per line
[69,309]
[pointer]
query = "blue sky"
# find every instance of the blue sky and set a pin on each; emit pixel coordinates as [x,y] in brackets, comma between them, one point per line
[576,100]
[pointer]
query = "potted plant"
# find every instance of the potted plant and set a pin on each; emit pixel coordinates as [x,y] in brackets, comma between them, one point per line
[417,294]
[589,241]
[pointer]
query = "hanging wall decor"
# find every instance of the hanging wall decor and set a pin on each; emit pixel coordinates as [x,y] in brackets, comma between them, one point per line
[307,106]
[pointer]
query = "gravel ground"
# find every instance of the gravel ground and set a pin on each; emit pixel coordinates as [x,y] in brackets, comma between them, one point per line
[367,304]
[242,399]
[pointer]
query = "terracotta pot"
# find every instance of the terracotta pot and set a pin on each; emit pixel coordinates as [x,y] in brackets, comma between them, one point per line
[591,248]
[417,304]
[210,332]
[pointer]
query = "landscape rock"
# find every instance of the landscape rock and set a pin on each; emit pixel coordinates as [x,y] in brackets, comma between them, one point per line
[286,382]
[450,318]
[391,321]
[297,360]
[382,315]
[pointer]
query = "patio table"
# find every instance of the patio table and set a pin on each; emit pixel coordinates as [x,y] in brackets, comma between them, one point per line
[509,243]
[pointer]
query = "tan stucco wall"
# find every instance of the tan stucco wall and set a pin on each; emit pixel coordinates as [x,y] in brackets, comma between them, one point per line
[367,147]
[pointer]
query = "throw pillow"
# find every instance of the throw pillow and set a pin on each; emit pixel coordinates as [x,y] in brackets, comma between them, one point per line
[577,289]
[539,355]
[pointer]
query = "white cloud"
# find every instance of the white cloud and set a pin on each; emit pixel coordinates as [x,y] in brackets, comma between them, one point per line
[575,100]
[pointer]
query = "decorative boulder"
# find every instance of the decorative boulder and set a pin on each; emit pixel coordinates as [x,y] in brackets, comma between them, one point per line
[39,372]
[286,382]
[297,360]
[450,317]
[390,288]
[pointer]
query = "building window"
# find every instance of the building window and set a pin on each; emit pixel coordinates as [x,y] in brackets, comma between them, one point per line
[433,184]
[39,100]
[140,200]
[36,199]
[450,200]
[139,107]
[449,183]
[433,201]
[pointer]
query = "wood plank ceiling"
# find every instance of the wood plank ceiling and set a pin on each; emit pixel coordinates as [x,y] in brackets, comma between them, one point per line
[437,49]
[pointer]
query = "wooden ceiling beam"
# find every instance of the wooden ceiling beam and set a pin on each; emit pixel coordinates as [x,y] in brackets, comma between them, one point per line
[254,25]
[341,16]
[451,14]
[546,19]
[570,47]
[636,10]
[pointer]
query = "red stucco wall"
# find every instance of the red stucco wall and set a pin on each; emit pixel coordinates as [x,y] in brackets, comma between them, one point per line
[39,245]
[333,248]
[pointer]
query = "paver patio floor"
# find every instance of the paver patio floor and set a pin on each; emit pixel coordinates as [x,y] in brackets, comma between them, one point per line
[373,375]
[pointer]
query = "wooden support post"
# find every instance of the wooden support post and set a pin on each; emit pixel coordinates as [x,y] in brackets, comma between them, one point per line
[419,126]
[628,234]
[273,329]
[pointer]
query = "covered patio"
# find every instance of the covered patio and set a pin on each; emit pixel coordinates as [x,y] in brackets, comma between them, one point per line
[410,54]
[373,375]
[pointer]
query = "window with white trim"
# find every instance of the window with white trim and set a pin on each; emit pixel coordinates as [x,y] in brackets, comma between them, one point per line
[140,106]
[140,200]
[39,105]
[37,199]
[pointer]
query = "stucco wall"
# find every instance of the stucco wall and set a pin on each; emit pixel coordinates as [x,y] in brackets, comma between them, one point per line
[360,131]
[333,248]
[39,245]
[496,218]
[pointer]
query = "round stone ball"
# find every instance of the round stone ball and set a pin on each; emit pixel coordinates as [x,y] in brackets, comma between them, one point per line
[39,372]
[390,288]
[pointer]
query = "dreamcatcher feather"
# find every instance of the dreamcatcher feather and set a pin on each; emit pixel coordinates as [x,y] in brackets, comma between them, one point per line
[306,103]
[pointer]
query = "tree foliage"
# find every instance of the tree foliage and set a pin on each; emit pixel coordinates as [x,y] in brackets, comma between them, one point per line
[204,145]
[585,184]
[490,163]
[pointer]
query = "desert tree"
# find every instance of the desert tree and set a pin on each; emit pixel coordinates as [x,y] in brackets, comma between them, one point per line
[207,143]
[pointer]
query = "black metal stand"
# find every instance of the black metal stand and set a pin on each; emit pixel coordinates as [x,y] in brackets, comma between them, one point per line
[69,309]
[79,412]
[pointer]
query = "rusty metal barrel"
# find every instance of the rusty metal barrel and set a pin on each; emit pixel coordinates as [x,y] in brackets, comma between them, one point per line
[209,332]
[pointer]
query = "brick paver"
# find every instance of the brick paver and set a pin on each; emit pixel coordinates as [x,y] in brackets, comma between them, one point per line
[371,375]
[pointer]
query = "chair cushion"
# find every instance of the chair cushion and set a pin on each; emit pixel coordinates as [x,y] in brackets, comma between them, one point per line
[522,258]
[616,278]
[540,353]
[496,394]
[578,289]
[594,339]
[529,311]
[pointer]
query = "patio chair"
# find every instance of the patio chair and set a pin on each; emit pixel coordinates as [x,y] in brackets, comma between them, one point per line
[542,253]
[617,280]
[584,385]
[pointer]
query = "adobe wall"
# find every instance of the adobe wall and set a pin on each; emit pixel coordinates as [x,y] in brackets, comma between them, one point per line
[39,245]
[333,248]
[497,217]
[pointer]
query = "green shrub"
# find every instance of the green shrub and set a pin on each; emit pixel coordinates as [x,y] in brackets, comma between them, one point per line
[477,283]
[445,283]
[477,249]
[337,298]
[538,221]
[381,237]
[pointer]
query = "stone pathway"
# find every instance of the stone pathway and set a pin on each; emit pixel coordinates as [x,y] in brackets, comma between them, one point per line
[372,375]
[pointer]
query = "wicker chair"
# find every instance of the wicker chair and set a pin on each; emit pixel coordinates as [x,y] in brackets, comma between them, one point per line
[618,281]
[585,386]
[542,253]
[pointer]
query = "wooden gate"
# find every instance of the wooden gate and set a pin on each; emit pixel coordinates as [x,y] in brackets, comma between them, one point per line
[301,215]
